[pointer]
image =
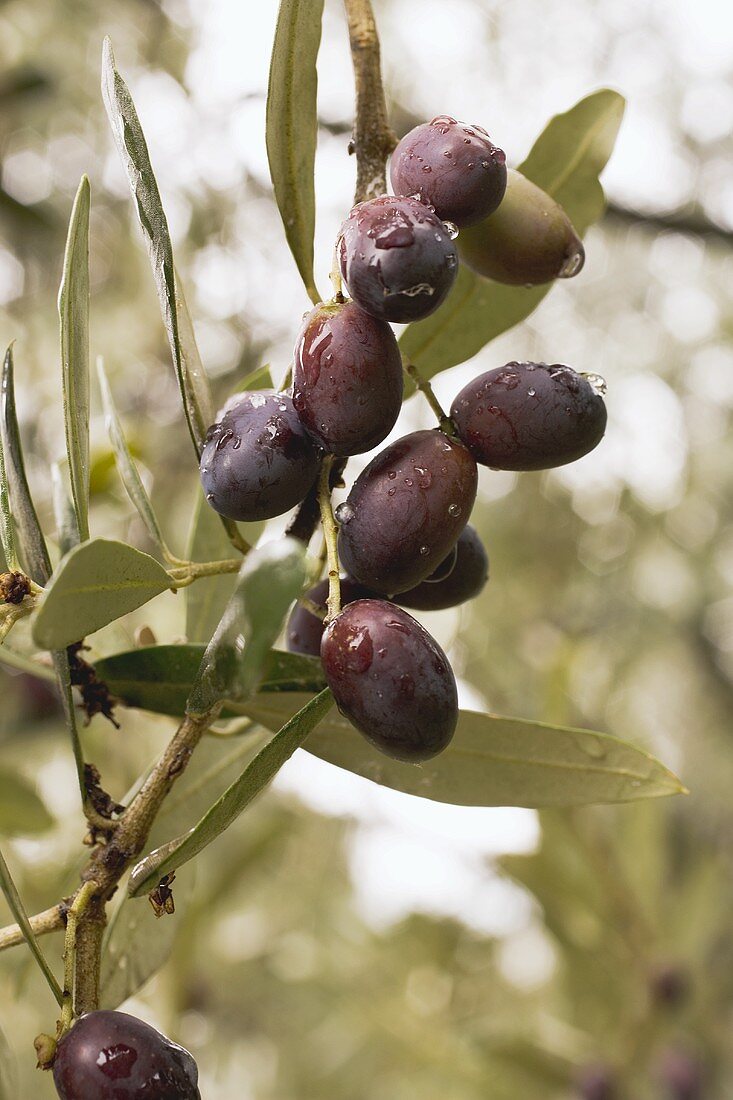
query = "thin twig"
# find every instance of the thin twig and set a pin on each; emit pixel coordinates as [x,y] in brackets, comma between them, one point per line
[373,138]
[330,533]
[50,920]
[445,422]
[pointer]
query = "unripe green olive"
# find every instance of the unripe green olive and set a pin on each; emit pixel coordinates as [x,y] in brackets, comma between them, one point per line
[528,240]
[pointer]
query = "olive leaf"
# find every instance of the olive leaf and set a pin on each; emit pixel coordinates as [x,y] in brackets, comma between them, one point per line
[74,323]
[292,127]
[270,579]
[22,812]
[159,678]
[123,117]
[207,541]
[7,533]
[33,549]
[492,761]
[126,467]
[29,536]
[566,161]
[255,777]
[16,907]
[94,584]
[137,945]
[67,528]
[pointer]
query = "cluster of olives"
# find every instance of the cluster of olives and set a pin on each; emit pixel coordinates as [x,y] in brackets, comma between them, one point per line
[403,538]
[114,1056]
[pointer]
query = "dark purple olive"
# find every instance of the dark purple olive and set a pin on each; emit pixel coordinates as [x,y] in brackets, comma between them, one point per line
[258,460]
[406,510]
[445,568]
[681,1075]
[113,1056]
[391,680]
[530,416]
[463,582]
[452,167]
[304,629]
[598,1083]
[527,241]
[347,378]
[397,258]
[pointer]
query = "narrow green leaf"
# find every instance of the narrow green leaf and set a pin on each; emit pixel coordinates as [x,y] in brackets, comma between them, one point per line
[21,918]
[159,678]
[270,579]
[565,161]
[258,379]
[136,160]
[67,530]
[63,678]
[292,127]
[125,465]
[29,536]
[94,584]
[206,600]
[74,318]
[193,368]
[33,548]
[137,944]
[22,812]
[7,534]
[256,776]
[492,761]
[11,659]
[9,1089]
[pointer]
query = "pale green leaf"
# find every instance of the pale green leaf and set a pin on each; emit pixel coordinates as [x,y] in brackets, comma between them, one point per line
[7,533]
[292,126]
[17,908]
[74,318]
[270,579]
[67,529]
[8,1070]
[29,536]
[159,678]
[565,161]
[255,777]
[492,761]
[94,584]
[136,159]
[207,541]
[22,812]
[137,944]
[126,467]
[33,546]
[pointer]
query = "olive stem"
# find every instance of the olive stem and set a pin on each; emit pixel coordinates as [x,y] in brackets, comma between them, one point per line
[80,903]
[373,138]
[192,570]
[330,533]
[445,422]
[110,860]
[50,920]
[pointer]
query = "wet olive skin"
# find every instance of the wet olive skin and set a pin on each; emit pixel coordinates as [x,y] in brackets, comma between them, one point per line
[258,461]
[114,1056]
[396,258]
[406,510]
[529,240]
[453,167]
[305,630]
[391,680]
[464,581]
[529,416]
[347,378]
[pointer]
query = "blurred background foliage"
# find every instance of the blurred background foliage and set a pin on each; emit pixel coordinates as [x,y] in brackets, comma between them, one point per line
[342,941]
